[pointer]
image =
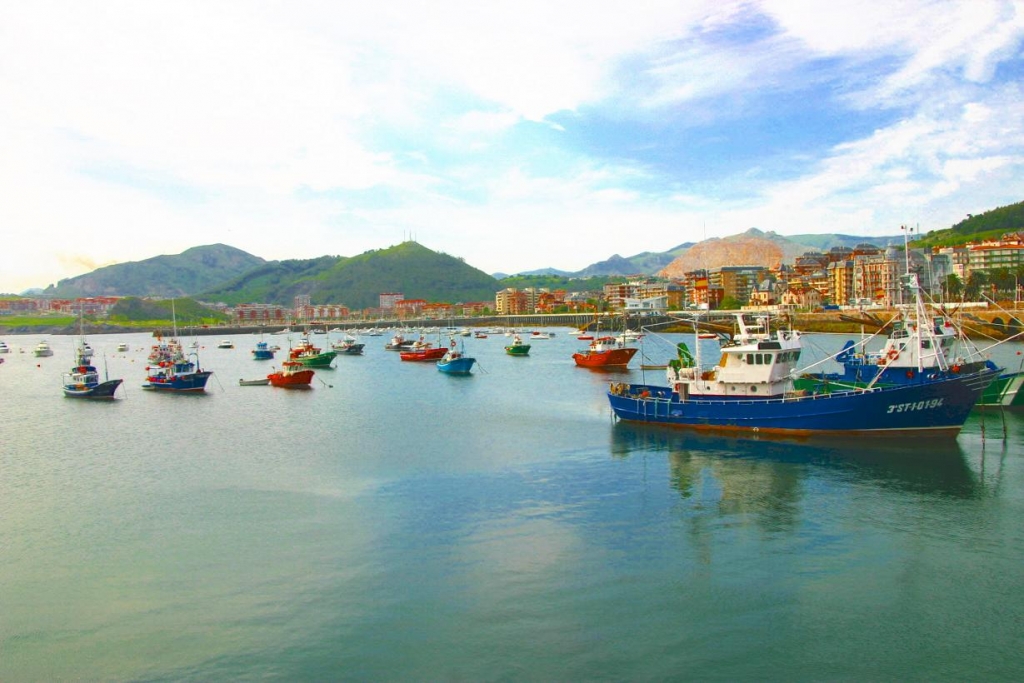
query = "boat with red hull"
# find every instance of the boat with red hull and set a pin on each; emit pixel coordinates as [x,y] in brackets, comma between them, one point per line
[605,352]
[425,353]
[292,375]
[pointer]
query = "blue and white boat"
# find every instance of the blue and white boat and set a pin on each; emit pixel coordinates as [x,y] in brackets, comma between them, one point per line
[181,374]
[263,351]
[455,362]
[83,380]
[750,389]
[173,370]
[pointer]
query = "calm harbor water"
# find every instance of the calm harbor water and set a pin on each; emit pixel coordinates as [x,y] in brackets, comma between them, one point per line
[393,523]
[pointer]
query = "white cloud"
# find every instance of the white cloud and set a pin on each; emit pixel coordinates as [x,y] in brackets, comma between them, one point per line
[171,125]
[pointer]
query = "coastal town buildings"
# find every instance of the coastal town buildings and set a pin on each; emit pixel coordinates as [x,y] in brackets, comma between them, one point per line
[842,276]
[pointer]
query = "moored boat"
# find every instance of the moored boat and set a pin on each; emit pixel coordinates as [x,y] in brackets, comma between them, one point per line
[750,390]
[122,347]
[455,362]
[262,351]
[292,375]
[1005,392]
[43,349]
[181,374]
[83,380]
[919,347]
[424,353]
[311,356]
[262,382]
[226,344]
[348,346]
[4,348]
[517,347]
[399,343]
[605,352]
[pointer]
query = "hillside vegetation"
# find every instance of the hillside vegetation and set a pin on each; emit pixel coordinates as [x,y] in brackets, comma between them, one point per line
[185,311]
[182,274]
[409,268]
[989,225]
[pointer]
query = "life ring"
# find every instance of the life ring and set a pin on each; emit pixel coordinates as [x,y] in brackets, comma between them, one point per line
[893,354]
[910,374]
[955,368]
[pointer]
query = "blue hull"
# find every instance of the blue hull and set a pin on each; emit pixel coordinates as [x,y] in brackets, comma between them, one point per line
[259,354]
[861,374]
[459,366]
[937,408]
[190,382]
[101,390]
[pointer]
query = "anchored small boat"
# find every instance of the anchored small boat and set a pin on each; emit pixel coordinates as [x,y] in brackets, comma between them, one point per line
[43,349]
[263,351]
[605,352]
[455,362]
[292,375]
[253,382]
[517,347]
[311,356]
[424,353]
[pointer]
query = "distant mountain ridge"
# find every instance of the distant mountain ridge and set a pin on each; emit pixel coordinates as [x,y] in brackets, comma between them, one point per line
[226,274]
[358,281]
[191,271]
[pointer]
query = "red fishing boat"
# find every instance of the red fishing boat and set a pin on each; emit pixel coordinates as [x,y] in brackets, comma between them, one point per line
[292,375]
[426,352]
[605,352]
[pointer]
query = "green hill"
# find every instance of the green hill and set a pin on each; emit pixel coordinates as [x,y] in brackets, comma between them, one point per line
[991,224]
[184,274]
[185,311]
[358,281]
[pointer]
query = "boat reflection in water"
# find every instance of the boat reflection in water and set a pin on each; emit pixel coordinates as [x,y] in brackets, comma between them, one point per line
[774,472]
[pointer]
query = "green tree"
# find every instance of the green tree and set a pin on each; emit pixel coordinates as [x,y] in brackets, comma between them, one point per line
[730,304]
[952,287]
[976,283]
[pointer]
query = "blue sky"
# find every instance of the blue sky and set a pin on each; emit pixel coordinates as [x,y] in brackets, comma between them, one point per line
[515,135]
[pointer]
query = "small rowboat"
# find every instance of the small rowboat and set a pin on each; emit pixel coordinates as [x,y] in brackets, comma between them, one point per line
[253,382]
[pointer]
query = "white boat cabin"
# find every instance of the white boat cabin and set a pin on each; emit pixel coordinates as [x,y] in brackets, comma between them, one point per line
[754,364]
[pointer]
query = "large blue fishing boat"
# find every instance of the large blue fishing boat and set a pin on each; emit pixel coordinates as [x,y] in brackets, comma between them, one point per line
[182,374]
[83,380]
[912,354]
[750,389]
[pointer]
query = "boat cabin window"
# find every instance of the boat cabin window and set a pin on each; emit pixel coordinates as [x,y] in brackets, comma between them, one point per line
[759,359]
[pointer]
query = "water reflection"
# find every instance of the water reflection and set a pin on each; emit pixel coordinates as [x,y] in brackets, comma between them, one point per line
[768,473]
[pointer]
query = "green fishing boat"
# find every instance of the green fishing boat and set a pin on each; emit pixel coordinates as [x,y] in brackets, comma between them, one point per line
[311,356]
[517,347]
